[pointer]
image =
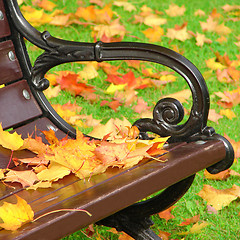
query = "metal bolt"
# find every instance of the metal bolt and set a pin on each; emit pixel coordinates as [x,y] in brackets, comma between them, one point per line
[11,56]
[200,142]
[52,128]
[26,94]
[1,16]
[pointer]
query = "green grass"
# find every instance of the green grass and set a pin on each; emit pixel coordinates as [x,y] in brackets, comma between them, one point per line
[225,224]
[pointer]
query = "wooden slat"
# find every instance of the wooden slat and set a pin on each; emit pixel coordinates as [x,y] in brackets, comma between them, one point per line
[14,107]
[9,66]
[36,127]
[4,27]
[107,193]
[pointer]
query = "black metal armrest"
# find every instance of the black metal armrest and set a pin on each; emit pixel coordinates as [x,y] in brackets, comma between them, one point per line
[168,112]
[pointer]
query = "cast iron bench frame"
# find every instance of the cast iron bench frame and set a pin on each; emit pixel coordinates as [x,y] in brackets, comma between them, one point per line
[193,145]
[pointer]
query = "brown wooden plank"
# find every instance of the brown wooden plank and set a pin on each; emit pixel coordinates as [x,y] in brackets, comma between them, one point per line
[36,127]
[105,194]
[14,107]
[9,66]
[4,27]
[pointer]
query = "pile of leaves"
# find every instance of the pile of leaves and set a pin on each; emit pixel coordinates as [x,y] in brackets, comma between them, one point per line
[82,156]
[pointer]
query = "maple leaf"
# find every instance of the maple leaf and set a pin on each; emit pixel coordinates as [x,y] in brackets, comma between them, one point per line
[236,146]
[15,215]
[126,5]
[154,20]
[200,38]
[111,30]
[219,198]
[113,104]
[52,92]
[228,113]
[229,98]
[199,12]
[154,34]
[47,5]
[70,83]
[222,175]
[166,214]
[11,141]
[174,10]
[181,96]
[27,178]
[214,65]
[213,26]
[141,106]
[196,228]
[35,17]
[164,235]
[179,34]
[214,116]
[189,221]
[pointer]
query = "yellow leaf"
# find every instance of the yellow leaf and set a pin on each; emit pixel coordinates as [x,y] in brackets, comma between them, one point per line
[15,215]
[180,35]
[212,64]
[11,141]
[154,20]
[89,72]
[52,92]
[113,88]
[54,172]
[174,10]
[126,5]
[154,34]
[196,228]
[219,198]
[40,184]
[228,113]
[201,39]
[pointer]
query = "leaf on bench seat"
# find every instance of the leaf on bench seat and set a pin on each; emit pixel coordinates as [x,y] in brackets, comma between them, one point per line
[11,141]
[15,215]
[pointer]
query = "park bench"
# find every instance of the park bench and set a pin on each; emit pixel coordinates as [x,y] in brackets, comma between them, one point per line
[113,197]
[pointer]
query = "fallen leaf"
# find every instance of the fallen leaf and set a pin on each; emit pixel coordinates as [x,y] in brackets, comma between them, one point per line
[199,12]
[214,116]
[164,235]
[196,228]
[141,106]
[166,214]
[47,5]
[15,215]
[228,113]
[236,146]
[154,20]
[174,10]
[189,221]
[181,96]
[11,141]
[154,34]
[27,178]
[179,34]
[126,5]
[219,198]
[219,176]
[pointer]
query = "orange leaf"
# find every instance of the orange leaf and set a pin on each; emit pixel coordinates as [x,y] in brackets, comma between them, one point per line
[214,116]
[11,141]
[219,176]
[164,235]
[188,221]
[15,215]
[179,34]
[26,178]
[154,34]
[166,214]
[219,198]
[47,5]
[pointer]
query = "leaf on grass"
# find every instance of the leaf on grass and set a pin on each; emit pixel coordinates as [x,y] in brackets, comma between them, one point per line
[196,228]
[219,198]
[141,106]
[126,5]
[154,34]
[181,96]
[15,215]
[174,10]
[189,221]
[166,214]
[11,141]
[164,235]
[180,34]
[214,116]
[219,176]
[228,113]
[236,146]
[46,5]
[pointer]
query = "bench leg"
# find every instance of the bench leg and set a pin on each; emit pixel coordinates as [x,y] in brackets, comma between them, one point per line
[135,219]
[137,229]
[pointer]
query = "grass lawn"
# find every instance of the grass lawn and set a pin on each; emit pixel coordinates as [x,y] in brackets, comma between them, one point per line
[224,224]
